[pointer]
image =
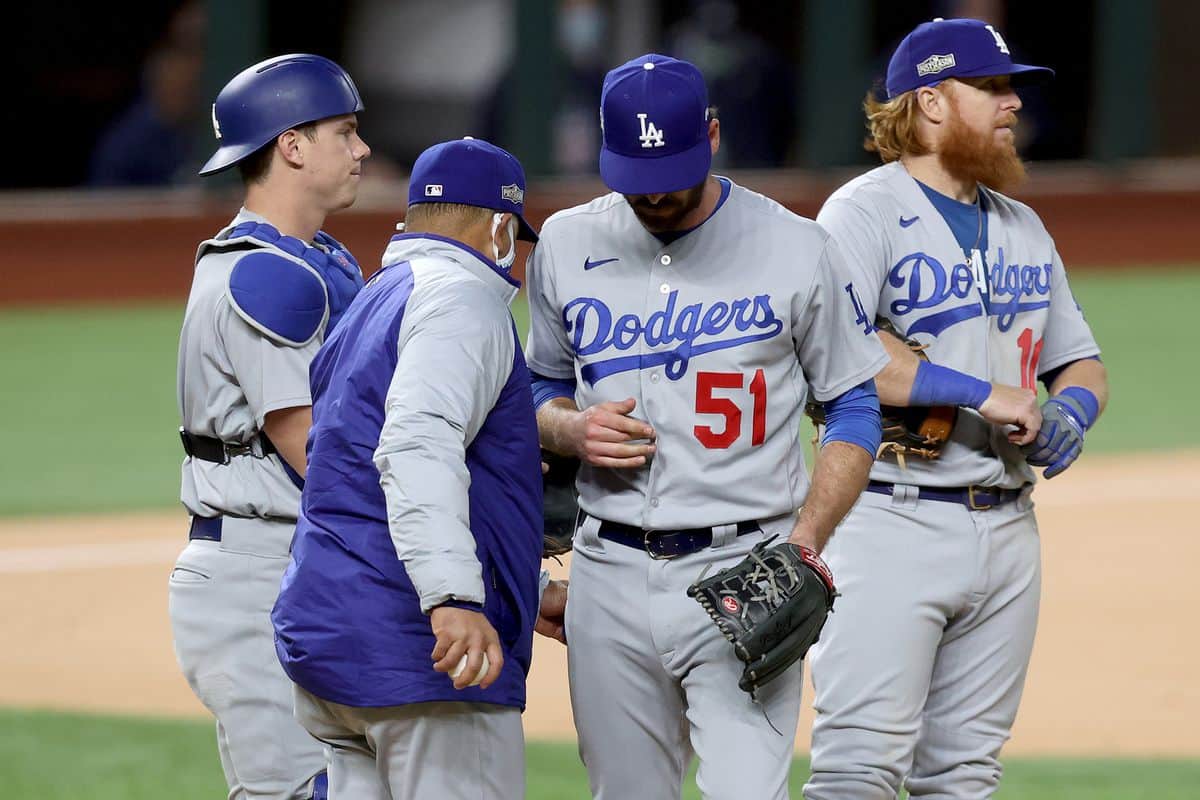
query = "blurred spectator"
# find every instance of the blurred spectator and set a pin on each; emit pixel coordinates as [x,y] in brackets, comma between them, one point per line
[152,141]
[748,81]
[581,35]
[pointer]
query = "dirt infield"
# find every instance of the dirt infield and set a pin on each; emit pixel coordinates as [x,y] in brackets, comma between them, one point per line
[1114,669]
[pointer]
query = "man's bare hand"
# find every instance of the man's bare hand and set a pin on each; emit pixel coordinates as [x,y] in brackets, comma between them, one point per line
[604,435]
[459,631]
[1012,405]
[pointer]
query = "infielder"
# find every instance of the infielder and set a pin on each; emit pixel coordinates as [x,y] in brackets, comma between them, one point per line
[919,673]
[677,326]
[420,537]
[266,290]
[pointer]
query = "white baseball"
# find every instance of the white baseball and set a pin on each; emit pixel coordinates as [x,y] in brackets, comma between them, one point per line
[462,664]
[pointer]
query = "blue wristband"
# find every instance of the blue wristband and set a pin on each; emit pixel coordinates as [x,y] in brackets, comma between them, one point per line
[936,385]
[1086,400]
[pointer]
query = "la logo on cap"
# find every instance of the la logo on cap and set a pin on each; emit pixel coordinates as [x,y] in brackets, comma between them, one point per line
[1000,45]
[651,135]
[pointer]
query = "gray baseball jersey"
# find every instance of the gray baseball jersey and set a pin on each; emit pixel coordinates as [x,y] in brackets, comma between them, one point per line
[230,376]
[719,336]
[907,266]
[919,674]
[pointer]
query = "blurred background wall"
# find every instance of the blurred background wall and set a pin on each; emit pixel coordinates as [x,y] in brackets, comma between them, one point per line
[117,94]
[109,110]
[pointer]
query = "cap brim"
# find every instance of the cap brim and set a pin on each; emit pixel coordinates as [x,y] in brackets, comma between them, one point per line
[525,231]
[1022,74]
[650,175]
[226,157]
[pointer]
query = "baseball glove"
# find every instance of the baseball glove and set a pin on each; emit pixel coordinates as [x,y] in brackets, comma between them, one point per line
[771,605]
[907,431]
[559,504]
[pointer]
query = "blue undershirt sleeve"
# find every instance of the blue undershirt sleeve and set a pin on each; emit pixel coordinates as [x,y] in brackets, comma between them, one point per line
[853,417]
[546,389]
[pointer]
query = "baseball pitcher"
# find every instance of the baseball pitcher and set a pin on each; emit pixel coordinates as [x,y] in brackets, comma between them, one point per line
[678,325]
[266,291]
[919,674]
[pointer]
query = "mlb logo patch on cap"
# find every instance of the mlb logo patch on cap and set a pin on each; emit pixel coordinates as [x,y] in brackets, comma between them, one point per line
[433,190]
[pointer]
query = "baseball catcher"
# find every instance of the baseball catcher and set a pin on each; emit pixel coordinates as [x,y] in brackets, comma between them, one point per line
[771,605]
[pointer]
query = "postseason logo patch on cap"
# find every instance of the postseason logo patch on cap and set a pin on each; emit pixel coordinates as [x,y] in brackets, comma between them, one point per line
[512,193]
[935,64]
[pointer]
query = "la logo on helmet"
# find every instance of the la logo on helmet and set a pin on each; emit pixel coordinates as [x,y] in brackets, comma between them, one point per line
[999,39]
[651,135]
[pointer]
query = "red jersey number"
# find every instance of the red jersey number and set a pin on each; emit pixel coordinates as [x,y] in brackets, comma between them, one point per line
[721,437]
[1031,352]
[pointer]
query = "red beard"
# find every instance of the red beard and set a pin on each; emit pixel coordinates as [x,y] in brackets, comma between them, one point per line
[967,155]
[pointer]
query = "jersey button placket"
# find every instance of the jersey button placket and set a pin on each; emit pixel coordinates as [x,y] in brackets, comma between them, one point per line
[657,289]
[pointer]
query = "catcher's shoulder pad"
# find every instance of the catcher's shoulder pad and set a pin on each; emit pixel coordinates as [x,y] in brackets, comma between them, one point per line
[343,276]
[284,299]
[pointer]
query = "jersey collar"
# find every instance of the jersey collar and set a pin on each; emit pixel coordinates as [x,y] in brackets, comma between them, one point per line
[405,246]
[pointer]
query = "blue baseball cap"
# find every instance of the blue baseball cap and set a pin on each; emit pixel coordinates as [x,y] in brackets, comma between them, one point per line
[654,123]
[471,172]
[954,48]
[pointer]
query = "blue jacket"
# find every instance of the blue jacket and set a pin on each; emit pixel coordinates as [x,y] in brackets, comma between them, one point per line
[423,485]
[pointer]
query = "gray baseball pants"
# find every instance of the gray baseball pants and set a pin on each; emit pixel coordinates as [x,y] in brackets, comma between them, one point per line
[220,598]
[653,680]
[448,751]
[919,670]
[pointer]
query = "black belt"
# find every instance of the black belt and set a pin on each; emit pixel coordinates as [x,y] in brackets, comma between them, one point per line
[976,498]
[666,544]
[207,528]
[206,448]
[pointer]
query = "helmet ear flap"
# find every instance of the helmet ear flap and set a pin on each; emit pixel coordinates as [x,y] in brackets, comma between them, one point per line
[268,98]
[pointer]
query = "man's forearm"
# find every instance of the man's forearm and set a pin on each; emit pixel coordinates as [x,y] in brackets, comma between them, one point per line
[1088,373]
[839,477]
[895,381]
[552,419]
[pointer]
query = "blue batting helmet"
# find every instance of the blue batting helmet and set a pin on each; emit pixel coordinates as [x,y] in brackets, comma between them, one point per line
[272,96]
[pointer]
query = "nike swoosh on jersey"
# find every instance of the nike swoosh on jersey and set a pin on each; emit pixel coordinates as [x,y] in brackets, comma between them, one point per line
[904,223]
[589,264]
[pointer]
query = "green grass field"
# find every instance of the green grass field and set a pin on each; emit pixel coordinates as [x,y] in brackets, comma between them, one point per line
[88,419]
[52,756]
